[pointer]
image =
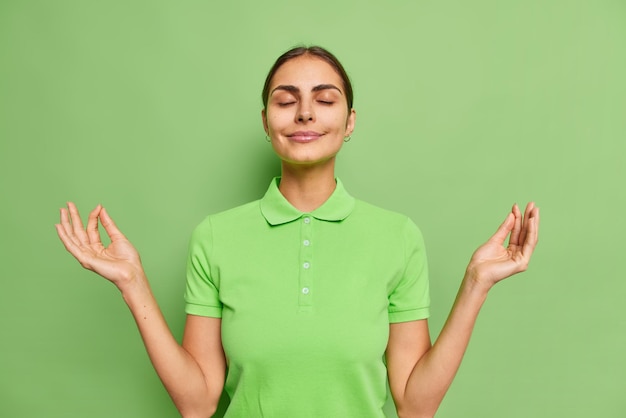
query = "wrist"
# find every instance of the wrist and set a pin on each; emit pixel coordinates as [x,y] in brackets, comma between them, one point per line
[134,286]
[473,282]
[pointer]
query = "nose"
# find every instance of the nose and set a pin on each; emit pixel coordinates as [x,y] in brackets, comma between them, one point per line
[305,116]
[305,113]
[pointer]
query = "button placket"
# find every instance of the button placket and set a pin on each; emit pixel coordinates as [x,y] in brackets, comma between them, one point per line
[305,292]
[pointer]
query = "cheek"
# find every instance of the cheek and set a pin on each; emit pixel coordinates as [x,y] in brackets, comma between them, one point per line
[333,118]
[276,122]
[341,122]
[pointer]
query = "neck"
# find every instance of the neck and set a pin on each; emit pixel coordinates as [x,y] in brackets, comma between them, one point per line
[307,188]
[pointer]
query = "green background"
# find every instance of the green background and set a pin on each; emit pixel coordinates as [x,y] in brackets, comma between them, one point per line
[153,109]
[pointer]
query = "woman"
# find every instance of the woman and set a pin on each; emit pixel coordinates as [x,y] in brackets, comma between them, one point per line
[310,297]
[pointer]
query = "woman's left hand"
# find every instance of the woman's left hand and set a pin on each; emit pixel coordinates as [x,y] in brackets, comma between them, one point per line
[492,261]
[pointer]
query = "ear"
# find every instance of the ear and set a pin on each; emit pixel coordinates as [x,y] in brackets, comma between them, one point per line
[264,117]
[350,122]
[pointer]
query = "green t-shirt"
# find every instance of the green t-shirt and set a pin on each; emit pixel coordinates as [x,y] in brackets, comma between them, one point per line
[306,300]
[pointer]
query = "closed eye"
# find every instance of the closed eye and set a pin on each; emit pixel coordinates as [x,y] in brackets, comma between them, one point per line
[284,104]
[325,102]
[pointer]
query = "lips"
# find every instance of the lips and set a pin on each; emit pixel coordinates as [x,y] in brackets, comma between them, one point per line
[304,136]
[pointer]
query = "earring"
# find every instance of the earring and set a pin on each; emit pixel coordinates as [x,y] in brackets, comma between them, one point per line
[267,138]
[347,139]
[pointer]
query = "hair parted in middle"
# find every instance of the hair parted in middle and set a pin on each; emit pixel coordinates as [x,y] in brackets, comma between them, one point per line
[314,51]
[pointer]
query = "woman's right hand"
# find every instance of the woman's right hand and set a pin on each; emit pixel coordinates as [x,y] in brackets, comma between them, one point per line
[119,262]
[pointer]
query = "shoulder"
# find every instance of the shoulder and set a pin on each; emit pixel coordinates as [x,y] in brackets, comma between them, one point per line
[389,226]
[376,215]
[248,212]
[238,213]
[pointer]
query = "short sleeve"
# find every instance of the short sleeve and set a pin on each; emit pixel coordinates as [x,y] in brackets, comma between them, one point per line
[202,291]
[409,300]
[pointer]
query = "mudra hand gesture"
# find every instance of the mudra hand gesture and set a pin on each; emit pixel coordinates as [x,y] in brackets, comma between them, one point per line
[493,262]
[119,262]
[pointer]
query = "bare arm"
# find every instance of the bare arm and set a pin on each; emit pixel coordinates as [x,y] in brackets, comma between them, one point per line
[193,373]
[420,375]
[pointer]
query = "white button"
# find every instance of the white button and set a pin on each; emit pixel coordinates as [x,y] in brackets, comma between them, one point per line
[305,290]
[306,242]
[306,265]
[307,220]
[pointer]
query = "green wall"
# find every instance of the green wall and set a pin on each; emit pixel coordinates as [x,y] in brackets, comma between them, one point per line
[153,109]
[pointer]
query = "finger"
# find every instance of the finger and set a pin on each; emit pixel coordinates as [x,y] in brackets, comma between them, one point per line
[65,238]
[517,226]
[70,244]
[533,233]
[527,213]
[67,226]
[65,223]
[92,225]
[77,224]
[109,226]
[503,230]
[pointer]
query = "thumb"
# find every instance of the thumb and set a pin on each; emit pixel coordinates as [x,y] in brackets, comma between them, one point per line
[109,226]
[503,230]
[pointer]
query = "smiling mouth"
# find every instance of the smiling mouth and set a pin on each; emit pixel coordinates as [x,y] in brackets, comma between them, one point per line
[304,136]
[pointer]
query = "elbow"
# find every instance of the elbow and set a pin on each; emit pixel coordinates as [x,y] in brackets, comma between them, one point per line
[203,405]
[413,411]
[207,411]
[414,415]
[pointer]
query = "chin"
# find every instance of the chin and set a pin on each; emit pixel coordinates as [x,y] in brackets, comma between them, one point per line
[311,161]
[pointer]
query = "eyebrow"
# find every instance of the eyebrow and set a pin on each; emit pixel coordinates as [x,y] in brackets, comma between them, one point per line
[319,87]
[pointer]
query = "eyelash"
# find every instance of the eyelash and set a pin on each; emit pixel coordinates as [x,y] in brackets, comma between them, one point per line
[324,102]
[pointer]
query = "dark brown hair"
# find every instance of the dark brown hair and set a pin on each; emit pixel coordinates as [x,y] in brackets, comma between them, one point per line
[315,51]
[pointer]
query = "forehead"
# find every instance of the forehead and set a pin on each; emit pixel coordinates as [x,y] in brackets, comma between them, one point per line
[306,72]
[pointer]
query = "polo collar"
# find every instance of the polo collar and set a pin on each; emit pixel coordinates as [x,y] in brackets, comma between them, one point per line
[277,210]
